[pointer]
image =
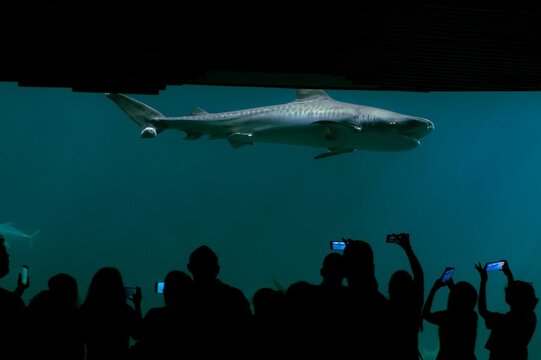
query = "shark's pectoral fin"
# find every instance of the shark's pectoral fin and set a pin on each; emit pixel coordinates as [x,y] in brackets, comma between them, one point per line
[333,151]
[336,125]
[333,128]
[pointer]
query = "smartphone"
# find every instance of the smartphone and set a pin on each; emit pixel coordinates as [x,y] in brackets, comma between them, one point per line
[494,265]
[129,291]
[447,274]
[158,287]
[338,245]
[24,274]
[394,238]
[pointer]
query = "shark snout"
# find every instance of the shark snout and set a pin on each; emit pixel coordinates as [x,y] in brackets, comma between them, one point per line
[417,127]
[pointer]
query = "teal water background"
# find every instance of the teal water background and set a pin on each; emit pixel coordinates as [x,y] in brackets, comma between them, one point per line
[74,167]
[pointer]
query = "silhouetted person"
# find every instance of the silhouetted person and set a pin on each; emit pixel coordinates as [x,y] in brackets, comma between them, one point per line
[11,313]
[302,318]
[457,325]
[53,321]
[331,294]
[406,298]
[165,332]
[367,310]
[223,316]
[108,320]
[269,320]
[512,331]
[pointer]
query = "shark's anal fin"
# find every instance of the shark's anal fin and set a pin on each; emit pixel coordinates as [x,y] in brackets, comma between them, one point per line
[333,152]
[192,136]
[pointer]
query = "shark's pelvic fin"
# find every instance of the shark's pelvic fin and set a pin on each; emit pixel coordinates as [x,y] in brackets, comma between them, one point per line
[333,152]
[237,144]
[239,139]
[310,94]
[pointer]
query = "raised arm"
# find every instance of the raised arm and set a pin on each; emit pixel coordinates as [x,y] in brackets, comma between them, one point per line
[427,308]
[416,268]
[482,301]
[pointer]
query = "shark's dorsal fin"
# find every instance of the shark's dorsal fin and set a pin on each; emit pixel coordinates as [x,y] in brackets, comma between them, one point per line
[198,111]
[310,94]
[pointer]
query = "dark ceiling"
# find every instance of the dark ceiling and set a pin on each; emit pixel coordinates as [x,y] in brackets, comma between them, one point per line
[144,48]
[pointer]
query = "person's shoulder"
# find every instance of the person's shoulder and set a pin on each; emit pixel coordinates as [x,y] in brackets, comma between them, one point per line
[155,312]
[8,299]
[230,289]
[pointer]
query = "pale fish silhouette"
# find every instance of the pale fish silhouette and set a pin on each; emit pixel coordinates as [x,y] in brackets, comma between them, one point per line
[10,232]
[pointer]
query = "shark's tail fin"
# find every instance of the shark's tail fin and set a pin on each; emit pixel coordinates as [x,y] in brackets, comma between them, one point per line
[143,115]
[31,238]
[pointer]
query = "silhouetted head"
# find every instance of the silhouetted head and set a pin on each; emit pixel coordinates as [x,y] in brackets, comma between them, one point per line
[203,264]
[268,303]
[333,268]
[178,286]
[401,286]
[106,287]
[462,297]
[359,264]
[4,257]
[64,289]
[520,296]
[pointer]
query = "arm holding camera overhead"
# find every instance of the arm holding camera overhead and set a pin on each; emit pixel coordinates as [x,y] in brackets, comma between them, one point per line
[507,271]
[403,240]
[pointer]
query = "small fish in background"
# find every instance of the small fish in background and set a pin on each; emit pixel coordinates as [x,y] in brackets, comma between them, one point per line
[10,232]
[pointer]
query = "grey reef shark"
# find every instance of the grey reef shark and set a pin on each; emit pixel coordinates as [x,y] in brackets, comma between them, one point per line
[313,119]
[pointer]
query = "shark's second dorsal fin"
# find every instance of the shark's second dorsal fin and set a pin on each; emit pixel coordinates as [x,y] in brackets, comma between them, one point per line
[310,94]
[198,111]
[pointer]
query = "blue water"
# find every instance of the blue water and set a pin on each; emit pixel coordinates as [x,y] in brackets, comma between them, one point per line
[74,167]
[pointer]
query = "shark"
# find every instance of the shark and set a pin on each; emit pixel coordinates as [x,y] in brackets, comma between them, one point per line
[9,231]
[312,119]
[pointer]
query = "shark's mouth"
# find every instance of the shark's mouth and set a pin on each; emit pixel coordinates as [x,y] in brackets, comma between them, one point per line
[413,139]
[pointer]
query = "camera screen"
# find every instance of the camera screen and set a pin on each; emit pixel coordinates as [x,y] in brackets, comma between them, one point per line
[447,274]
[492,266]
[338,245]
[159,287]
[24,274]
[129,291]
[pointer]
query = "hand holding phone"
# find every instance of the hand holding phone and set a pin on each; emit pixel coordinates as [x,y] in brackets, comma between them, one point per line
[397,238]
[495,265]
[24,275]
[447,275]
[338,245]
[130,291]
[158,287]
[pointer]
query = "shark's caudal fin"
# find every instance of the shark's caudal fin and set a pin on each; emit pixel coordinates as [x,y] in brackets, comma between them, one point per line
[143,115]
[31,238]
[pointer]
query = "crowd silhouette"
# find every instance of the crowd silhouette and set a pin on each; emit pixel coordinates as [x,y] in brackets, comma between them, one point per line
[345,313]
